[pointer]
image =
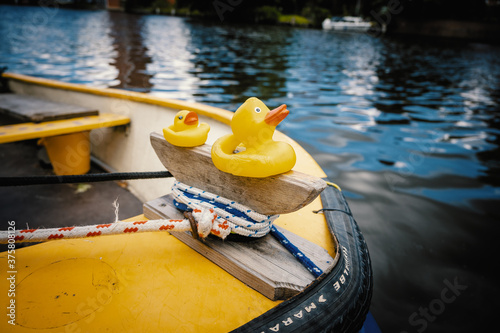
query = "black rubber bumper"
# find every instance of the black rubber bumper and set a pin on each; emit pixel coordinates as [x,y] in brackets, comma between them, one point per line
[335,302]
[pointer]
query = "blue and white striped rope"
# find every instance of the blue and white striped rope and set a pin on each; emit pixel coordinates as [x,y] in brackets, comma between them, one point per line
[299,255]
[241,219]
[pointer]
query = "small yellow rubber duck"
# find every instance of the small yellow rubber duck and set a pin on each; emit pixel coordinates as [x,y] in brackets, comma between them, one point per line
[186,130]
[253,126]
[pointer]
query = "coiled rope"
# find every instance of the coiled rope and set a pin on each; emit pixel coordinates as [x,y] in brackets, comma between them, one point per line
[241,219]
[233,217]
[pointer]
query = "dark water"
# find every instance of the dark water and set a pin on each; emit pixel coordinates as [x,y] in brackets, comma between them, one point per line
[408,128]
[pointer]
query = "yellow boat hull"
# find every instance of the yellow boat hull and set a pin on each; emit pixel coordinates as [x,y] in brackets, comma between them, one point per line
[129,283]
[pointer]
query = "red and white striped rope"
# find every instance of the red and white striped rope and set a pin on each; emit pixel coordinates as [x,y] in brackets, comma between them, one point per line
[212,214]
[206,220]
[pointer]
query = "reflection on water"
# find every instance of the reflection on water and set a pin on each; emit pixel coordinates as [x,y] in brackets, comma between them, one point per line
[214,64]
[132,57]
[75,46]
[172,65]
[409,129]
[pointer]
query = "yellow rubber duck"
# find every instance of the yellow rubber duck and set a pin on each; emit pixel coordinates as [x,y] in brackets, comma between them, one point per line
[186,130]
[253,127]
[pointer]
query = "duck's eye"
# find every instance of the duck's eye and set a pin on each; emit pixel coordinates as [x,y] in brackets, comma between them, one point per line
[257,109]
[180,117]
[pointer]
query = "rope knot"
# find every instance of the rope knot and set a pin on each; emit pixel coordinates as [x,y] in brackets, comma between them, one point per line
[225,216]
[207,223]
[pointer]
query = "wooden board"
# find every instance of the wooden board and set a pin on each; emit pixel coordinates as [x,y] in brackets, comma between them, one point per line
[29,108]
[280,194]
[27,131]
[264,264]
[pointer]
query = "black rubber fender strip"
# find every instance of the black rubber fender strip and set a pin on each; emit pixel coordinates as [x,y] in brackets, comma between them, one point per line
[335,302]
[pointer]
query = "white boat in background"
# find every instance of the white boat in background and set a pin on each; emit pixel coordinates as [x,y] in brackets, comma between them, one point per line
[346,23]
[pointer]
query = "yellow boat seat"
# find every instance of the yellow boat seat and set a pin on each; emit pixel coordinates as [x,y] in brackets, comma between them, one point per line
[67,141]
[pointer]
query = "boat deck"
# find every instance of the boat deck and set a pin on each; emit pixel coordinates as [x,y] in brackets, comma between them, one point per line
[56,205]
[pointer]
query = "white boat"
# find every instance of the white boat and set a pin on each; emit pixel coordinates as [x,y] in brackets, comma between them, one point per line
[346,23]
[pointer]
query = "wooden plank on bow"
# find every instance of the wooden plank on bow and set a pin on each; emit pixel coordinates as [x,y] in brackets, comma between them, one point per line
[262,264]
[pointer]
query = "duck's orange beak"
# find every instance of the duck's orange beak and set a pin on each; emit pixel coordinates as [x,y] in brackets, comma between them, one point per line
[276,116]
[191,118]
